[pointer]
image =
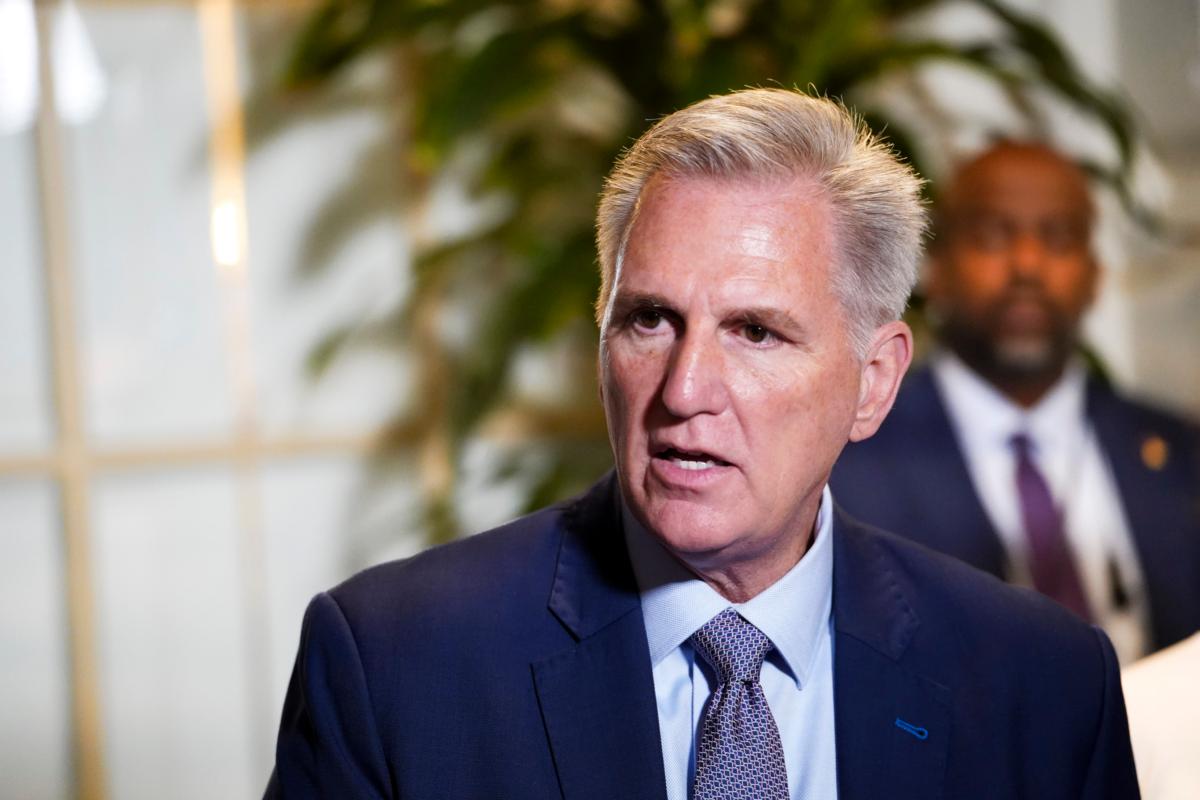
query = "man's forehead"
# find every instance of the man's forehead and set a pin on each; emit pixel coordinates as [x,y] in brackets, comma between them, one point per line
[751,212]
[784,223]
[728,287]
[1020,178]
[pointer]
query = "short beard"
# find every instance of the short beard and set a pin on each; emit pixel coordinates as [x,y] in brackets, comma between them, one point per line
[1012,361]
[1027,357]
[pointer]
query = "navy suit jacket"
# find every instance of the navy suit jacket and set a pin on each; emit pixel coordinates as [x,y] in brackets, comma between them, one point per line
[514,664]
[911,478]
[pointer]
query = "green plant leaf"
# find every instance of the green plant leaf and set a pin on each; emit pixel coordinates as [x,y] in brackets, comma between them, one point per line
[1058,71]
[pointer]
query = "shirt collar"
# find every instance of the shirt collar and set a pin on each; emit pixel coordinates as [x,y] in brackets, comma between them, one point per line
[985,417]
[793,612]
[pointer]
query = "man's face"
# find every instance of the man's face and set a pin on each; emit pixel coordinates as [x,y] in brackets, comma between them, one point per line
[729,381]
[1013,272]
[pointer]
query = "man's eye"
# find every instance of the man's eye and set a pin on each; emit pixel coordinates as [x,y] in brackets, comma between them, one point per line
[989,233]
[646,318]
[1063,237]
[756,334]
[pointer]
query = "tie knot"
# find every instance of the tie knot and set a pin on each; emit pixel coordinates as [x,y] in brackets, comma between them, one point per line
[1021,444]
[733,646]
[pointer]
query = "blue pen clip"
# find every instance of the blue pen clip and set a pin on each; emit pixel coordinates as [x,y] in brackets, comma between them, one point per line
[920,733]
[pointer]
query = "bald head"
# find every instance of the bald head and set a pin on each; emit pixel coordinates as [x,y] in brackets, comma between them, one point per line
[1020,172]
[1011,270]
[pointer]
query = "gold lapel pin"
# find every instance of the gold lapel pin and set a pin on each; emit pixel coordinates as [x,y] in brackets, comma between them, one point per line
[1155,452]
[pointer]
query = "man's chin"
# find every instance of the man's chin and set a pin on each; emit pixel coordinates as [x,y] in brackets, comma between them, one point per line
[1026,356]
[689,530]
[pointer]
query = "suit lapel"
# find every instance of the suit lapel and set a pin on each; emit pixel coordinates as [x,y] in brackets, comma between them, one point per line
[1121,441]
[961,527]
[1162,519]
[597,697]
[892,723]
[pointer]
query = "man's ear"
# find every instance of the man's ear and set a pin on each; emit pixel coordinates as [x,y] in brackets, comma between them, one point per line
[886,361]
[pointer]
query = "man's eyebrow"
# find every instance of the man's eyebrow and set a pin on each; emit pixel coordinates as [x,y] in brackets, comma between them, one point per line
[769,317]
[625,302]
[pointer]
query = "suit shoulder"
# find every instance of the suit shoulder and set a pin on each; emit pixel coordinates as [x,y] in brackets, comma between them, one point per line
[1135,429]
[954,598]
[508,565]
[1148,416]
[1020,677]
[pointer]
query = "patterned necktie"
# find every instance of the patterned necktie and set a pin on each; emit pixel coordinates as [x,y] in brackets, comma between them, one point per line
[1050,561]
[740,755]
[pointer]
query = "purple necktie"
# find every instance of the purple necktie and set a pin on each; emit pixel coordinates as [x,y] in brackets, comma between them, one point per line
[1050,561]
[740,755]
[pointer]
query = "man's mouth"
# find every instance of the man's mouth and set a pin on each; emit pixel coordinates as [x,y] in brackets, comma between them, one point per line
[690,459]
[1025,312]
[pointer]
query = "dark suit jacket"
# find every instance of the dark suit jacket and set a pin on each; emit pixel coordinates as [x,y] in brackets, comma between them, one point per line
[514,664]
[911,478]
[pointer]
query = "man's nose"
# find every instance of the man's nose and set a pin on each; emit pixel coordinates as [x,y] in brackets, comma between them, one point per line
[1027,256]
[695,379]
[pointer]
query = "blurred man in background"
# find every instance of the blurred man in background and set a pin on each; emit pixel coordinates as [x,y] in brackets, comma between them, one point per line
[1004,451]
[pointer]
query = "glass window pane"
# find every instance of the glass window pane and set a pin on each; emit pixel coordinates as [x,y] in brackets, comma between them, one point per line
[25,399]
[173,624]
[151,340]
[35,693]
[329,151]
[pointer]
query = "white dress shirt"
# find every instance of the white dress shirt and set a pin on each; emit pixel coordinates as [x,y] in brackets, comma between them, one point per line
[1080,478]
[797,675]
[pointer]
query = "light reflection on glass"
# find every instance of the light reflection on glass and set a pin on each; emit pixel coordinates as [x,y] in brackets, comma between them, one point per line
[226,234]
[18,66]
[79,83]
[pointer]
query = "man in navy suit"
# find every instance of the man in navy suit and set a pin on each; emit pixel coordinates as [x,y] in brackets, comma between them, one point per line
[1011,272]
[705,623]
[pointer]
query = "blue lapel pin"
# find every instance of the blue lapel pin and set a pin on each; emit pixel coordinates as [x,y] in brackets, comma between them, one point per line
[908,727]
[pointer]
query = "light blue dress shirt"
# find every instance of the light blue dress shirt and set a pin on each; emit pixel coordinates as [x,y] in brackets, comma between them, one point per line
[797,676]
